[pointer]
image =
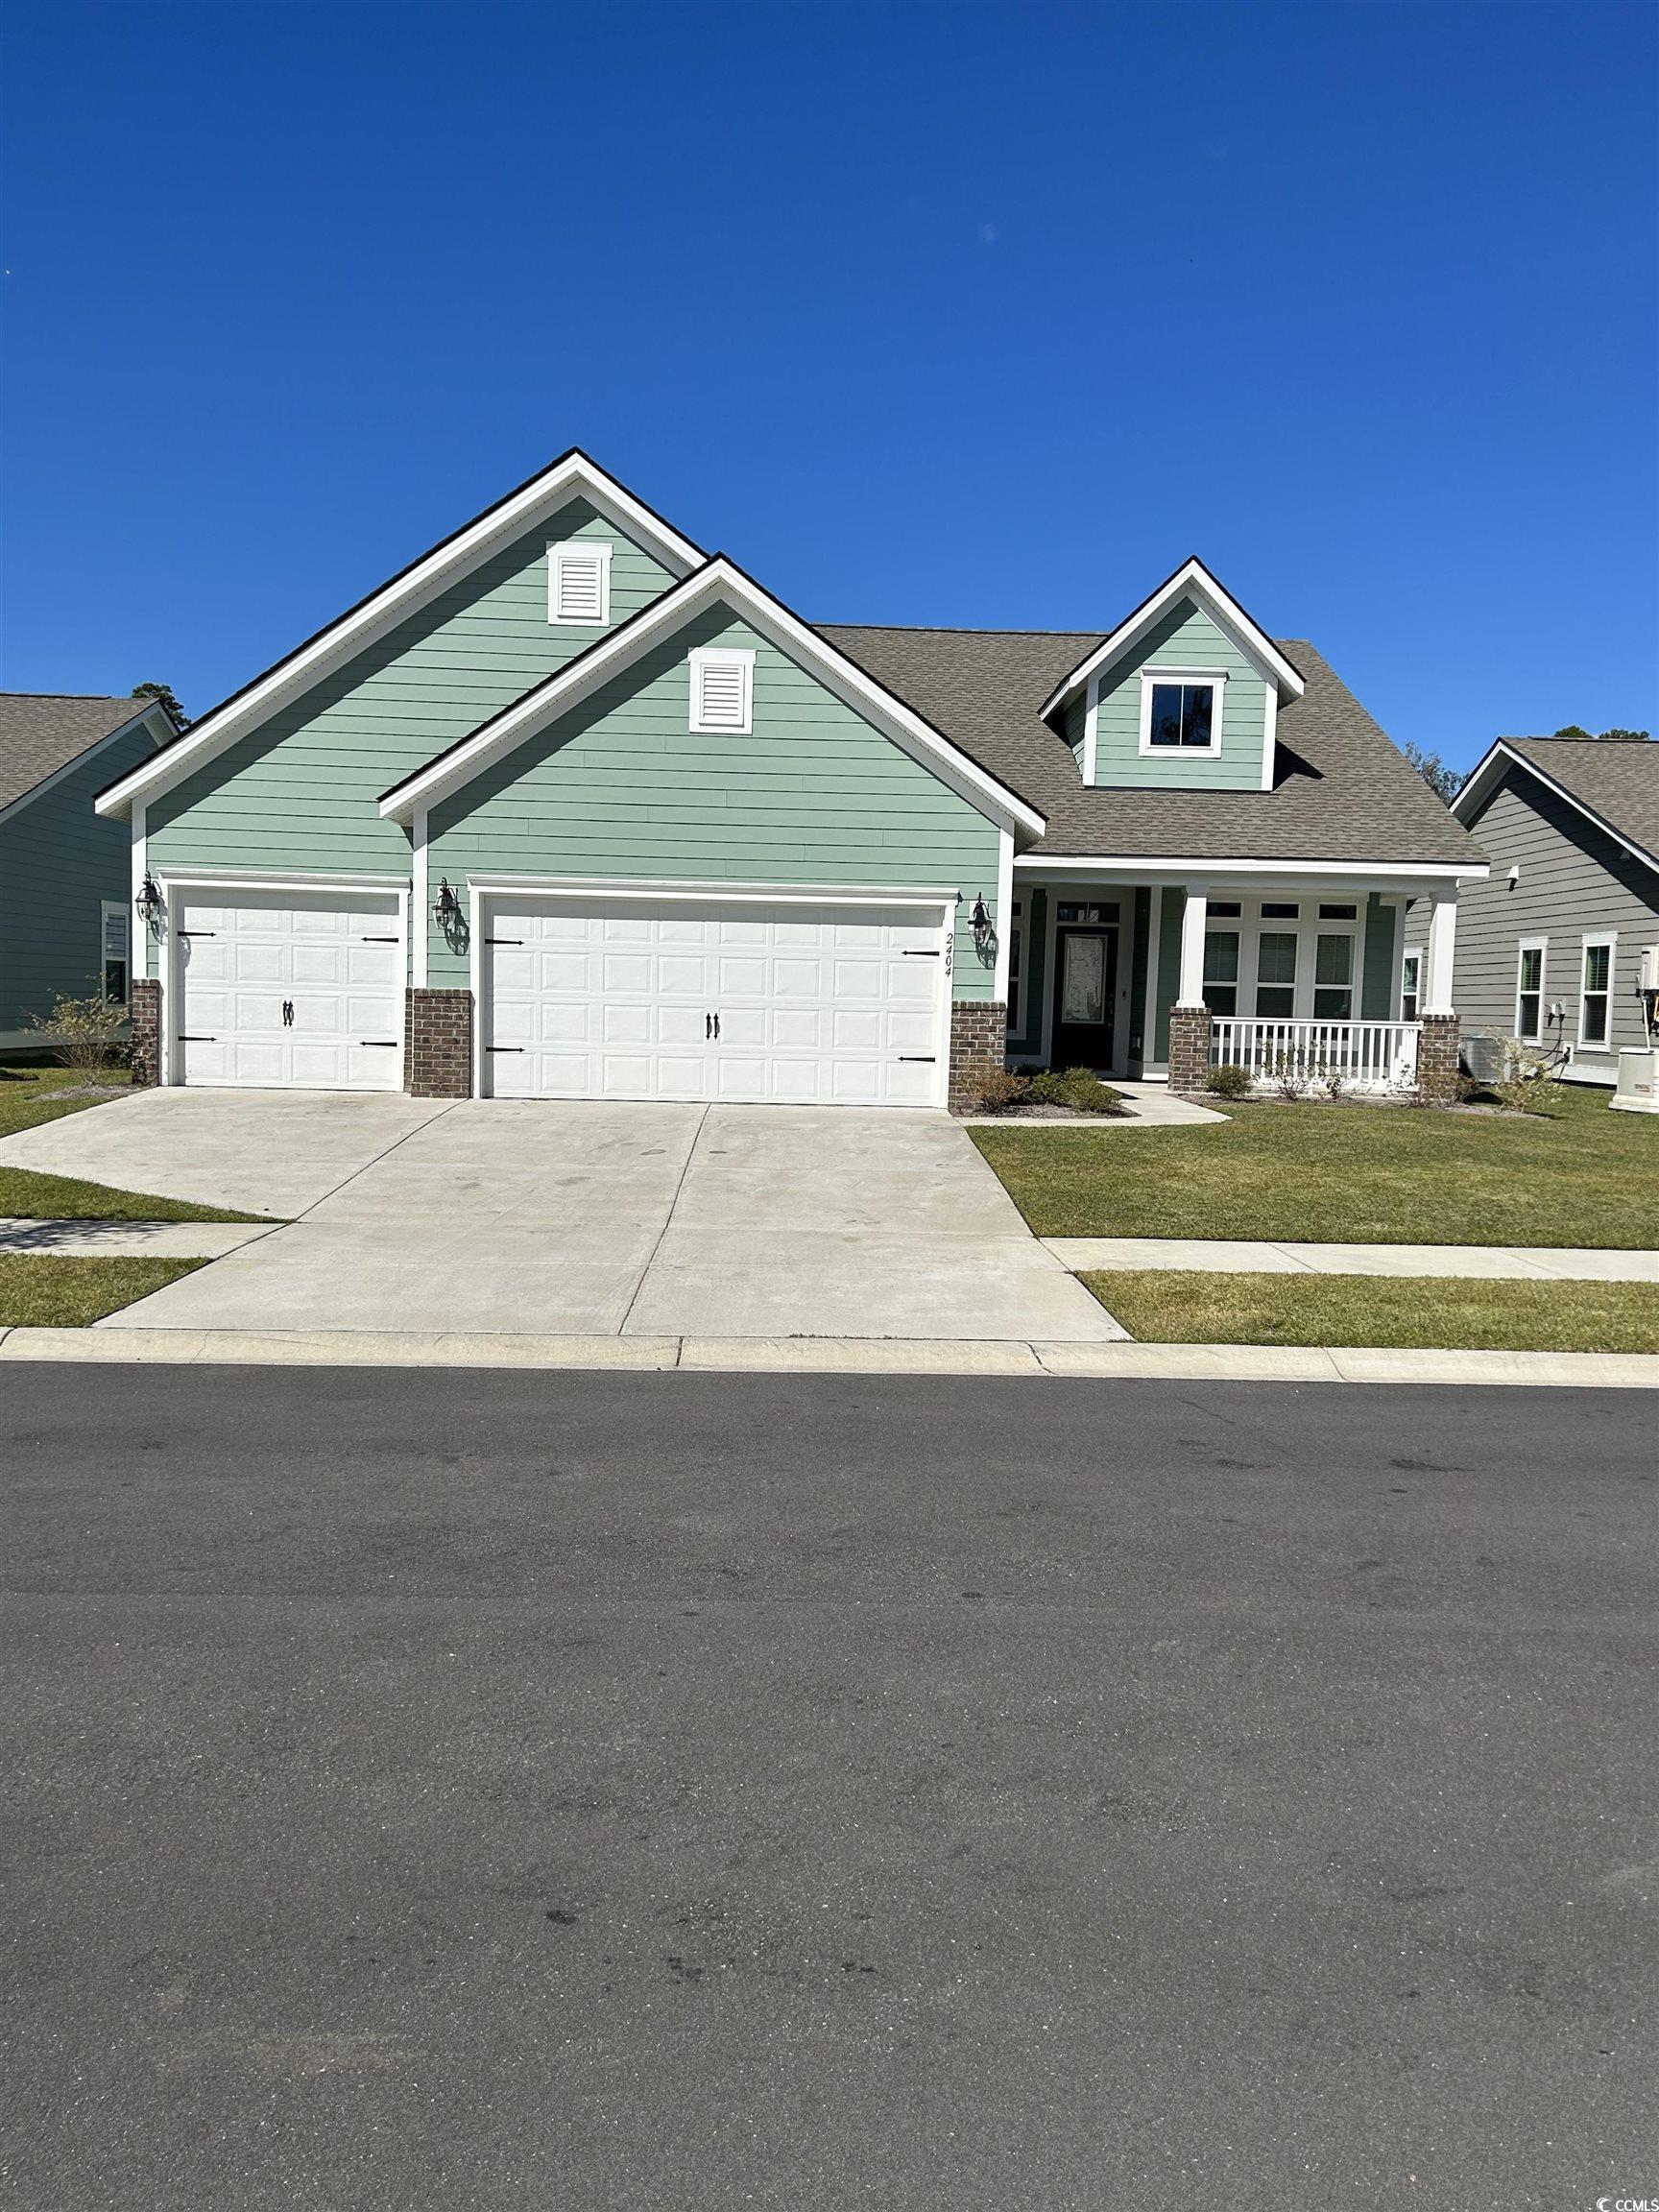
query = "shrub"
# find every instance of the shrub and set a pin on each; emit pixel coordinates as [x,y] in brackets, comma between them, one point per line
[999,1091]
[1228,1081]
[1528,1084]
[82,1033]
[1290,1075]
[1045,1089]
[1083,1090]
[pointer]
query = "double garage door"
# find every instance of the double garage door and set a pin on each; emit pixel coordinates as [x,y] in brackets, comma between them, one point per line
[785,1004]
[284,990]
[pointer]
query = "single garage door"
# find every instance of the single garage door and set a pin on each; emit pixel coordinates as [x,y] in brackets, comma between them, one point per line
[281,990]
[790,1005]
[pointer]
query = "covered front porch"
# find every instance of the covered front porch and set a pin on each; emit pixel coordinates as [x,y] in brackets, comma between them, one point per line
[1159,972]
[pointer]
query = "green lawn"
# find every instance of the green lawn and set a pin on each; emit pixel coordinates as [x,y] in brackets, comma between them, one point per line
[1421,1312]
[38,1292]
[1581,1175]
[32,1092]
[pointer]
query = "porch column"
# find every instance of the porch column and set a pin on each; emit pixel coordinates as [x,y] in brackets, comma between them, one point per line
[1193,918]
[1442,943]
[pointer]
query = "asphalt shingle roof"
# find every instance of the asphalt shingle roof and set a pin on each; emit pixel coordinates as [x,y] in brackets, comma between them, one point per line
[1620,783]
[41,732]
[1343,792]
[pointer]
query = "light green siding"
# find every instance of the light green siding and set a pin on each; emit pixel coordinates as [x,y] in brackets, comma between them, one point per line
[303,791]
[58,860]
[1381,967]
[1185,639]
[620,786]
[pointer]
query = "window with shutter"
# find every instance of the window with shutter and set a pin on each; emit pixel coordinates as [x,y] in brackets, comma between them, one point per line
[578,582]
[722,690]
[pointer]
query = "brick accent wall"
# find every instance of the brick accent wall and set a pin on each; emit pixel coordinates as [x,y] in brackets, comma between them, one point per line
[1189,1047]
[438,1044]
[979,1046]
[1437,1058]
[146,1030]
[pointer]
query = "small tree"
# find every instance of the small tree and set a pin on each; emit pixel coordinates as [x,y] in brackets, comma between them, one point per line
[84,1033]
[1445,783]
[165,693]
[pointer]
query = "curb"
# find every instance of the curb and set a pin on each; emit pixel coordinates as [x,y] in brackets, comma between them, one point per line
[836,1355]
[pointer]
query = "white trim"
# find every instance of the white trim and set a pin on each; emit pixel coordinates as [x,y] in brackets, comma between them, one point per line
[106,907]
[1401,876]
[1091,728]
[1439,967]
[1540,946]
[1500,751]
[1215,679]
[1190,581]
[421,904]
[1002,919]
[562,551]
[139,870]
[1270,739]
[573,476]
[702,658]
[1190,979]
[91,751]
[717,581]
[703,891]
[195,880]
[1587,942]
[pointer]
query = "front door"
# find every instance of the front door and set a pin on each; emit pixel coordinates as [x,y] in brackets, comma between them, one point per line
[1086,961]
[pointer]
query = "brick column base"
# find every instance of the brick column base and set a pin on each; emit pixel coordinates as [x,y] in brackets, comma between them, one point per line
[145,1011]
[438,1044]
[978,1047]
[1437,1043]
[1189,1047]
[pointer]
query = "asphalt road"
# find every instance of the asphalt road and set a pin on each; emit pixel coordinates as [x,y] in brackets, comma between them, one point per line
[499,1790]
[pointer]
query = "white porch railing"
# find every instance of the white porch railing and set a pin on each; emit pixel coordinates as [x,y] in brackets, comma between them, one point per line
[1367,1055]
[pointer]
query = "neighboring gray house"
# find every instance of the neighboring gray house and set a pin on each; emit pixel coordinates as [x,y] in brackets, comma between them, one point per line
[66,872]
[1550,946]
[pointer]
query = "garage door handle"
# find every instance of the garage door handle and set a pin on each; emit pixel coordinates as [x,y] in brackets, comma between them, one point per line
[503,1047]
[911,952]
[488,940]
[197,1039]
[927,1057]
[287,1013]
[380,1044]
[378,940]
[198,932]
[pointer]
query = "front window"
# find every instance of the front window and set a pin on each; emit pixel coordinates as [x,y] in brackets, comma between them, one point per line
[1183,717]
[1529,994]
[1410,970]
[1594,1008]
[1333,977]
[1221,970]
[115,969]
[1276,975]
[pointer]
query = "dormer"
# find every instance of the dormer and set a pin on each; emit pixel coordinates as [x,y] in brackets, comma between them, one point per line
[1184,695]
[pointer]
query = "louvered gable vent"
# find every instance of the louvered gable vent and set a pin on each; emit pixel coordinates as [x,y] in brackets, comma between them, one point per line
[722,690]
[578,582]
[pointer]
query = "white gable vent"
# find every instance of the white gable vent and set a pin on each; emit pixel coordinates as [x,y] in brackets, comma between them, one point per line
[578,582]
[722,689]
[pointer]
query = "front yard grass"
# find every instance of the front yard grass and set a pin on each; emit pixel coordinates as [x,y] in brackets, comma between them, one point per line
[1580,1175]
[1422,1313]
[39,1293]
[32,1092]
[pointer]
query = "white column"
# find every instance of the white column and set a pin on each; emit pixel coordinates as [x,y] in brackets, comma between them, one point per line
[420,920]
[1193,918]
[1442,943]
[1003,921]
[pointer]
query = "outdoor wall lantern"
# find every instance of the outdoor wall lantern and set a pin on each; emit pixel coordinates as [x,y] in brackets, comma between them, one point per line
[446,908]
[979,920]
[152,906]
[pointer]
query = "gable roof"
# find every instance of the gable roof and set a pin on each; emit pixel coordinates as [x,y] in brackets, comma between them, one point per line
[1342,792]
[1190,581]
[572,476]
[721,581]
[43,732]
[1615,785]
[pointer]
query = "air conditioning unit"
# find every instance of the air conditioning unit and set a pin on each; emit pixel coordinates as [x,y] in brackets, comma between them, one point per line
[1484,1058]
[1638,1090]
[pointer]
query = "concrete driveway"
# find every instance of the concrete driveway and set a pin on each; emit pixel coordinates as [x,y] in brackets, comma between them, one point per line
[539,1219]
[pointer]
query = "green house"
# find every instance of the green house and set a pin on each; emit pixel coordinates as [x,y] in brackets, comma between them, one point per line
[65,918]
[573,807]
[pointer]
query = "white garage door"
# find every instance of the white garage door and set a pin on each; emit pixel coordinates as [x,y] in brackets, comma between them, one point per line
[282,990]
[792,1005]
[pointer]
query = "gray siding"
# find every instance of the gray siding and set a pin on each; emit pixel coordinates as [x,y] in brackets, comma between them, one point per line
[1574,879]
[58,860]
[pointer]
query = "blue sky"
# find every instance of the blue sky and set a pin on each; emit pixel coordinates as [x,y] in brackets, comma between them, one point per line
[954,314]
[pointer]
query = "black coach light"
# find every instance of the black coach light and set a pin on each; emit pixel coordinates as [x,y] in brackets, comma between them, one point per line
[979,920]
[446,908]
[152,906]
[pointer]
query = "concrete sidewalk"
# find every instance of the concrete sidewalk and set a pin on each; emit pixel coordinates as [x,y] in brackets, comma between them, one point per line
[1511,1263]
[830,1354]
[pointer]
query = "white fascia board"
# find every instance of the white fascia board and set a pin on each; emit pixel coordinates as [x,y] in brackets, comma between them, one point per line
[1503,755]
[1403,875]
[1190,581]
[147,716]
[573,476]
[723,582]
[710,890]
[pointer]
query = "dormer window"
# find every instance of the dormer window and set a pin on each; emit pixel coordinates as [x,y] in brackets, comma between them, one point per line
[1180,710]
[723,690]
[578,582]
